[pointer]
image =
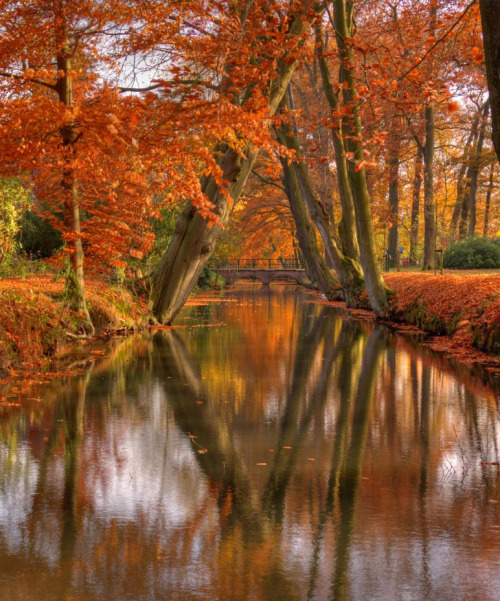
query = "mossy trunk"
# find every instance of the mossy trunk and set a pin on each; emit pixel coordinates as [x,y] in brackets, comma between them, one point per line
[194,238]
[301,191]
[315,265]
[351,129]
[347,226]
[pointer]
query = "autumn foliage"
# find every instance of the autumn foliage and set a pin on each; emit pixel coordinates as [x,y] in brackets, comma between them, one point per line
[465,306]
[35,318]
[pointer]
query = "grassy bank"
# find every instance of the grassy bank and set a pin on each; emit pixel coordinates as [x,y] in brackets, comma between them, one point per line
[36,323]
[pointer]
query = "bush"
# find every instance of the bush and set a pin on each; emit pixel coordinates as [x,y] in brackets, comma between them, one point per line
[21,265]
[13,199]
[473,253]
[210,280]
[38,238]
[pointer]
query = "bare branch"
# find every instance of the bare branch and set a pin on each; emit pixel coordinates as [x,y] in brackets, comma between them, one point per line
[51,86]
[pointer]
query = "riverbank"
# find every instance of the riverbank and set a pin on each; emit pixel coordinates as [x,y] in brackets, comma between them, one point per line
[464,307]
[461,311]
[36,324]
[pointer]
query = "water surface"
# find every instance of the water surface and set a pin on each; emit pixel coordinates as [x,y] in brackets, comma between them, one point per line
[267,449]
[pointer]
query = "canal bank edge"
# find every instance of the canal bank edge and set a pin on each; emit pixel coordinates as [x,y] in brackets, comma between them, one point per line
[462,311]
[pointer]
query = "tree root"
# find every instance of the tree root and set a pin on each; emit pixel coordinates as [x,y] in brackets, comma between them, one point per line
[79,336]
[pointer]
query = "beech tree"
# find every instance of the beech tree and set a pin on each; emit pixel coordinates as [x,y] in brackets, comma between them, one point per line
[70,133]
[254,67]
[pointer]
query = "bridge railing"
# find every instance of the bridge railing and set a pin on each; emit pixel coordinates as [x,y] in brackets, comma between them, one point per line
[238,264]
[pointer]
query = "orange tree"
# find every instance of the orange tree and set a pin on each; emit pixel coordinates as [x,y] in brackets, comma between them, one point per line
[65,128]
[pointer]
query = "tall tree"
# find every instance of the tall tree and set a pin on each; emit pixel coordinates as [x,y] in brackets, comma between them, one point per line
[491,40]
[393,171]
[475,169]
[66,130]
[347,268]
[415,207]
[351,129]
[257,73]
[487,207]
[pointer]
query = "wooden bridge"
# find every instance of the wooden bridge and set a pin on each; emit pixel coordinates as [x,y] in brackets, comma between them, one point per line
[263,270]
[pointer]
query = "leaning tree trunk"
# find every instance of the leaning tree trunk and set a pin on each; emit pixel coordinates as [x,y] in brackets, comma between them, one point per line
[351,128]
[194,239]
[347,268]
[415,207]
[347,225]
[316,267]
[491,40]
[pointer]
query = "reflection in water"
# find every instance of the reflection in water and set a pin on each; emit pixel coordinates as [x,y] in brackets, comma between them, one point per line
[283,453]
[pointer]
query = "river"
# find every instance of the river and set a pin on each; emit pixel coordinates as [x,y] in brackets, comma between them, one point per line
[265,449]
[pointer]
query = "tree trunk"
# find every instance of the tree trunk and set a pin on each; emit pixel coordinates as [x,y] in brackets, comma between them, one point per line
[467,223]
[394,148]
[75,282]
[415,207]
[463,178]
[347,226]
[351,128]
[348,269]
[306,234]
[491,40]
[194,239]
[430,226]
[475,169]
[487,207]
[429,208]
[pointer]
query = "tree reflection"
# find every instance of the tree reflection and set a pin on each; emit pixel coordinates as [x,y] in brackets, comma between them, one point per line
[223,464]
[144,480]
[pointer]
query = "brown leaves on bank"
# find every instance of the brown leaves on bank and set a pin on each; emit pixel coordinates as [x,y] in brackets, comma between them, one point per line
[35,317]
[467,307]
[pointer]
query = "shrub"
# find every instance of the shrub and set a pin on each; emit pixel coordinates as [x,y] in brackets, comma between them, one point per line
[13,199]
[210,280]
[38,238]
[473,253]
